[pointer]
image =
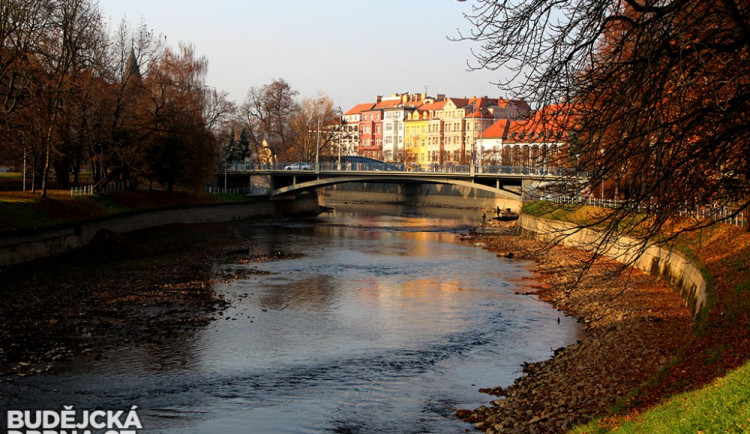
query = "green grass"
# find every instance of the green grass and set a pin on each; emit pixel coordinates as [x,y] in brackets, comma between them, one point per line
[723,406]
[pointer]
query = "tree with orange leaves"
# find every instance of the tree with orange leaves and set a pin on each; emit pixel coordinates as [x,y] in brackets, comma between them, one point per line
[662,88]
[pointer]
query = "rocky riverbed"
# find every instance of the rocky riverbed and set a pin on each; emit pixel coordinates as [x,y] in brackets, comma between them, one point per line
[119,290]
[635,324]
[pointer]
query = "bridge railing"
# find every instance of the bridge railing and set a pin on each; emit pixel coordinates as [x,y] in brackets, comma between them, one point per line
[402,167]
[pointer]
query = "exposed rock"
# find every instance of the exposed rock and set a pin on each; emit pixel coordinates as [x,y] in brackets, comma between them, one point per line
[624,346]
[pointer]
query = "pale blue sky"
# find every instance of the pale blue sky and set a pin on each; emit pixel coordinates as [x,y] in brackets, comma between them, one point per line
[349,49]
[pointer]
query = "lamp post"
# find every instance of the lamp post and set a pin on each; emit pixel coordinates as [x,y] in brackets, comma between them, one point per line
[317,145]
[341,133]
[317,149]
[24,168]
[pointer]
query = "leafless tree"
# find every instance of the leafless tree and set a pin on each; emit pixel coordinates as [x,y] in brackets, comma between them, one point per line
[312,128]
[72,41]
[266,115]
[22,26]
[658,92]
[217,108]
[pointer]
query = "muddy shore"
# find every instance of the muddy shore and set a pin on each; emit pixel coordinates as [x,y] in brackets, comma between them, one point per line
[634,325]
[118,290]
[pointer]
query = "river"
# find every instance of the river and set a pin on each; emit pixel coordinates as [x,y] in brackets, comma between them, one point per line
[378,319]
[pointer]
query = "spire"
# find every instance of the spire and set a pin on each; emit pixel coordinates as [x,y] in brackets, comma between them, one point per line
[132,69]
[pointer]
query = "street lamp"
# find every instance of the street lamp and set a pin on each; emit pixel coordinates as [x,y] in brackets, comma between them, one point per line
[341,133]
[317,146]
[24,168]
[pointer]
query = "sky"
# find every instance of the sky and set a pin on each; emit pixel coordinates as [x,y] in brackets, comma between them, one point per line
[348,50]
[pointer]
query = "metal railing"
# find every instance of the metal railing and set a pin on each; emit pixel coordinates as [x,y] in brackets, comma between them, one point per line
[84,190]
[721,214]
[400,167]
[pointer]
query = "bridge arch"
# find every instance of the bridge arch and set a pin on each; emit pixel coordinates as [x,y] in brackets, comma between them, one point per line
[307,185]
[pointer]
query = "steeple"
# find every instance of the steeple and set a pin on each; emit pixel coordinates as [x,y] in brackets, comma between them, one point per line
[132,69]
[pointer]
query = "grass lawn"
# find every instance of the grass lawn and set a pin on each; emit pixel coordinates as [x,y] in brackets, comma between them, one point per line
[21,210]
[723,406]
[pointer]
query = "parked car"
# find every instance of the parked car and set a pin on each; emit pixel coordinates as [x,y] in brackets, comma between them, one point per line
[298,166]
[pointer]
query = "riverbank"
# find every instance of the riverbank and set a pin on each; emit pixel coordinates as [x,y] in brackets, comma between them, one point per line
[641,347]
[635,325]
[121,289]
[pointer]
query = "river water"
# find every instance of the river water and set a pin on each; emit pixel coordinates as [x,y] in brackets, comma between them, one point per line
[379,320]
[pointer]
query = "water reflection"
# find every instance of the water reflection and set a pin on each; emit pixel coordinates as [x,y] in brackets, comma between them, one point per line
[374,323]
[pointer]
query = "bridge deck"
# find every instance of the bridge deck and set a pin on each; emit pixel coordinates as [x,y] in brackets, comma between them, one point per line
[497,179]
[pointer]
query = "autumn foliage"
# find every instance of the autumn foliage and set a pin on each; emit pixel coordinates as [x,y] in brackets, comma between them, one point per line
[662,89]
[124,105]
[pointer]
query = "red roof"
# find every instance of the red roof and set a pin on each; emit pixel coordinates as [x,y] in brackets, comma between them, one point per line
[359,108]
[437,105]
[549,124]
[480,113]
[388,103]
[498,130]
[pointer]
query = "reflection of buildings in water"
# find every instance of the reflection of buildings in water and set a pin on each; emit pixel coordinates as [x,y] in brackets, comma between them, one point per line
[414,304]
[445,217]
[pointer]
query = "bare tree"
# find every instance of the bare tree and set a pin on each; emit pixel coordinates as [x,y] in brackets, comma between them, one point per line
[311,125]
[659,92]
[132,56]
[73,38]
[22,26]
[267,113]
[217,108]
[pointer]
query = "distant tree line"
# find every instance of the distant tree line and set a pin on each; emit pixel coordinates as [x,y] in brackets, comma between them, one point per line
[127,106]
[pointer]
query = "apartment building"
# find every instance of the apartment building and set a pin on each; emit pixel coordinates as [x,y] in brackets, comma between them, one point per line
[540,141]
[350,128]
[419,129]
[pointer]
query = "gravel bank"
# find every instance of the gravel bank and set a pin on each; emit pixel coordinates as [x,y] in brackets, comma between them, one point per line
[119,290]
[635,324]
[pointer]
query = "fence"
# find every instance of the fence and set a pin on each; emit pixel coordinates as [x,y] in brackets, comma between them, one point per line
[347,166]
[228,190]
[82,190]
[714,213]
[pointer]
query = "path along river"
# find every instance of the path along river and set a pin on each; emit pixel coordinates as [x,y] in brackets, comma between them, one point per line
[379,320]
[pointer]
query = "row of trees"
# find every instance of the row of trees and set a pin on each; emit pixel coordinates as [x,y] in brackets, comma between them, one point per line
[658,91]
[74,96]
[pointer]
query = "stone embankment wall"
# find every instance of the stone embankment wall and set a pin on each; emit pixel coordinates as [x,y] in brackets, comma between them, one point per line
[16,249]
[683,275]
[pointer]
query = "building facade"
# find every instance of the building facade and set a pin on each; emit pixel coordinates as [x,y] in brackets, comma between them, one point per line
[371,133]
[539,142]
[418,129]
[350,128]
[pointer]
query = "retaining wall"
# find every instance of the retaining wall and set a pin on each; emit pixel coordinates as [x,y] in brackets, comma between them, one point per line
[682,274]
[27,247]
